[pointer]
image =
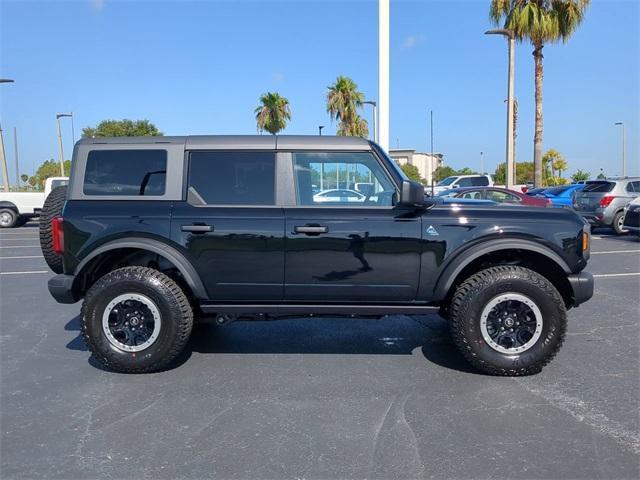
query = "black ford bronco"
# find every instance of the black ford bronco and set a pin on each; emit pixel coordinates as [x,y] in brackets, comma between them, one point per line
[155,232]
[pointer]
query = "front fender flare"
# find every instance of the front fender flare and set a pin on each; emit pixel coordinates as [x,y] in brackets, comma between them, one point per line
[164,250]
[468,255]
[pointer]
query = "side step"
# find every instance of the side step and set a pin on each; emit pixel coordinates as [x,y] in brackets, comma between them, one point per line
[311,309]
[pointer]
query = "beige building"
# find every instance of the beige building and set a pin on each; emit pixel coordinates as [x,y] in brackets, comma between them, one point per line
[424,162]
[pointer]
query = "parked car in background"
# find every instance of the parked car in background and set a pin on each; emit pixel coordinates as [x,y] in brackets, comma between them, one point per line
[632,216]
[338,195]
[602,202]
[535,191]
[496,194]
[562,195]
[460,181]
[17,208]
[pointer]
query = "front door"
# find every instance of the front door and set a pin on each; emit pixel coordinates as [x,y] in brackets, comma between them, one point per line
[231,226]
[345,241]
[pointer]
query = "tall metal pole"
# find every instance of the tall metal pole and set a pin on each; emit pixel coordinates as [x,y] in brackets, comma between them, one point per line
[432,169]
[375,122]
[61,149]
[511,166]
[383,73]
[15,154]
[624,149]
[481,163]
[3,161]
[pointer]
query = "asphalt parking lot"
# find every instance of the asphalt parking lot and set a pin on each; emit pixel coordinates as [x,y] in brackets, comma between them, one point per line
[318,398]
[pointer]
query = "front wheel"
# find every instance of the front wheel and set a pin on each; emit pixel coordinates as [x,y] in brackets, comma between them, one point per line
[618,224]
[8,218]
[136,320]
[508,320]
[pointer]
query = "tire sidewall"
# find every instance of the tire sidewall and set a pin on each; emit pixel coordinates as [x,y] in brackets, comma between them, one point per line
[552,324]
[154,353]
[616,227]
[14,216]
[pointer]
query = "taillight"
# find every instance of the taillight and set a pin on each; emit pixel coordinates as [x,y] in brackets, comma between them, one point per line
[606,200]
[57,235]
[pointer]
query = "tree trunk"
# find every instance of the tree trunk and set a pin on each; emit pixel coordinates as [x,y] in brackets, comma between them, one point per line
[537,138]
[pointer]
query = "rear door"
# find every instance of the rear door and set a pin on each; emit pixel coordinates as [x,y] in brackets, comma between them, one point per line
[231,226]
[364,251]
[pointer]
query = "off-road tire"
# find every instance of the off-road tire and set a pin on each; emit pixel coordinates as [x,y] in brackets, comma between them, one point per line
[173,306]
[617,224]
[12,216]
[52,208]
[477,291]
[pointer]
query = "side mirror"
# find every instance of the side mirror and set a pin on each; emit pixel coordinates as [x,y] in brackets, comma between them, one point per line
[412,194]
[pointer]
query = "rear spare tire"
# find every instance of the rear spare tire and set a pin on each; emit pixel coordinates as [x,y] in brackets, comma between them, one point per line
[51,209]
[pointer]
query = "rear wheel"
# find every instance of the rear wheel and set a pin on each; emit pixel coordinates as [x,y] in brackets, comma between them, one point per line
[618,224]
[8,218]
[136,320]
[508,320]
[52,208]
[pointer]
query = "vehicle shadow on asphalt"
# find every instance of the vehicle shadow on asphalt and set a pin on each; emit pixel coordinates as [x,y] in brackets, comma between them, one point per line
[390,335]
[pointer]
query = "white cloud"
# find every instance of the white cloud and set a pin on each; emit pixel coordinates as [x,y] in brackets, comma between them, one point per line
[412,40]
[97,5]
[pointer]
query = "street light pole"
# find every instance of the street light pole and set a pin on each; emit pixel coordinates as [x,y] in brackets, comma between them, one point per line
[624,149]
[320,127]
[375,114]
[383,74]
[58,116]
[3,158]
[511,40]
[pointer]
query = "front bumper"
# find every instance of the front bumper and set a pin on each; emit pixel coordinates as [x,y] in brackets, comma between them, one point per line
[61,288]
[582,286]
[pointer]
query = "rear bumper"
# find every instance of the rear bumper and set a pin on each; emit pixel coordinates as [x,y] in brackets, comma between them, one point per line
[582,286]
[599,217]
[61,288]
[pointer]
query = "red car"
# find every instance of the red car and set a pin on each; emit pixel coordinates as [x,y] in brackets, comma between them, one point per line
[499,195]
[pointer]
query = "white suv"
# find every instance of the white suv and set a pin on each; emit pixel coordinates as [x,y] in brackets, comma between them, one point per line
[459,181]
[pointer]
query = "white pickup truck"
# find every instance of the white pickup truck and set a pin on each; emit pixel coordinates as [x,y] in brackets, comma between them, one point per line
[16,208]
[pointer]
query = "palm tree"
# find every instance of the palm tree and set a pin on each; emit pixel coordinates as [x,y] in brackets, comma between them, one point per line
[540,22]
[272,113]
[343,101]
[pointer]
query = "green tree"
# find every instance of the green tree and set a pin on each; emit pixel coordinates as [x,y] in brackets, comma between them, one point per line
[540,22]
[524,173]
[412,172]
[466,171]
[601,175]
[273,112]
[24,177]
[122,128]
[580,176]
[443,172]
[553,162]
[343,101]
[48,168]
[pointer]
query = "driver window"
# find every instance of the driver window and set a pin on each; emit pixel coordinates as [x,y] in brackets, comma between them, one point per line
[337,178]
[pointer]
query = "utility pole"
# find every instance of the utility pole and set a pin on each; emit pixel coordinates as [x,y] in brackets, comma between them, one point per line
[3,158]
[58,117]
[510,158]
[624,149]
[15,154]
[432,169]
[383,74]
[481,163]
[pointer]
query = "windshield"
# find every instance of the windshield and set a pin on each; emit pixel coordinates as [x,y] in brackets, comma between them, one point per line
[598,187]
[447,181]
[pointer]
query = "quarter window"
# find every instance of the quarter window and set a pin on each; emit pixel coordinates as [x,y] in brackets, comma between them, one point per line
[338,178]
[125,172]
[232,178]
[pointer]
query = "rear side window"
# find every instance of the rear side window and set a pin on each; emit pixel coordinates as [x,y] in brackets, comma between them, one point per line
[125,172]
[232,178]
[479,181]
[633,187]
[598,187]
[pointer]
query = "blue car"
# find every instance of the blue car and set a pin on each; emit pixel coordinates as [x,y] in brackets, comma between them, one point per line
[562,196]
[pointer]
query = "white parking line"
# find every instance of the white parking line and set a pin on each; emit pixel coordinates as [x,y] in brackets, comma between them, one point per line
[23,273]
[17,239]
[615,251]
[602,275]
[24,256]
[21,246]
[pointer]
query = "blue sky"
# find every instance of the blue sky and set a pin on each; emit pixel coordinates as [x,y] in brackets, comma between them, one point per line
[199,68]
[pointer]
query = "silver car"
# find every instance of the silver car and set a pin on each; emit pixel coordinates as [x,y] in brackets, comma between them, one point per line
[602,202]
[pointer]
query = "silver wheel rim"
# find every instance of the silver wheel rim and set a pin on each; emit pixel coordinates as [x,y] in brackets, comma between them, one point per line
[131,322]
[511,323]
[621,223]
[5,219]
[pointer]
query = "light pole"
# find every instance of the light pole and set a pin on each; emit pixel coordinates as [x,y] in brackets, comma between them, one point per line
[624,149]
[3,158]
[58,116]
[383,74]
[375,114]
[320,127]
[481,163]
[511,40]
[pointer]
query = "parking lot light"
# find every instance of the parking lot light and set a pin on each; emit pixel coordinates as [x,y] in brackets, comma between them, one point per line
[624,148]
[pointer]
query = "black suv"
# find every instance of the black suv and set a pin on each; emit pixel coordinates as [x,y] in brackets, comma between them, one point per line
[154,232]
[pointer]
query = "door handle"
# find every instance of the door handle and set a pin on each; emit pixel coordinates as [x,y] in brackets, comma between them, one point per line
[311,229]
[197,228]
